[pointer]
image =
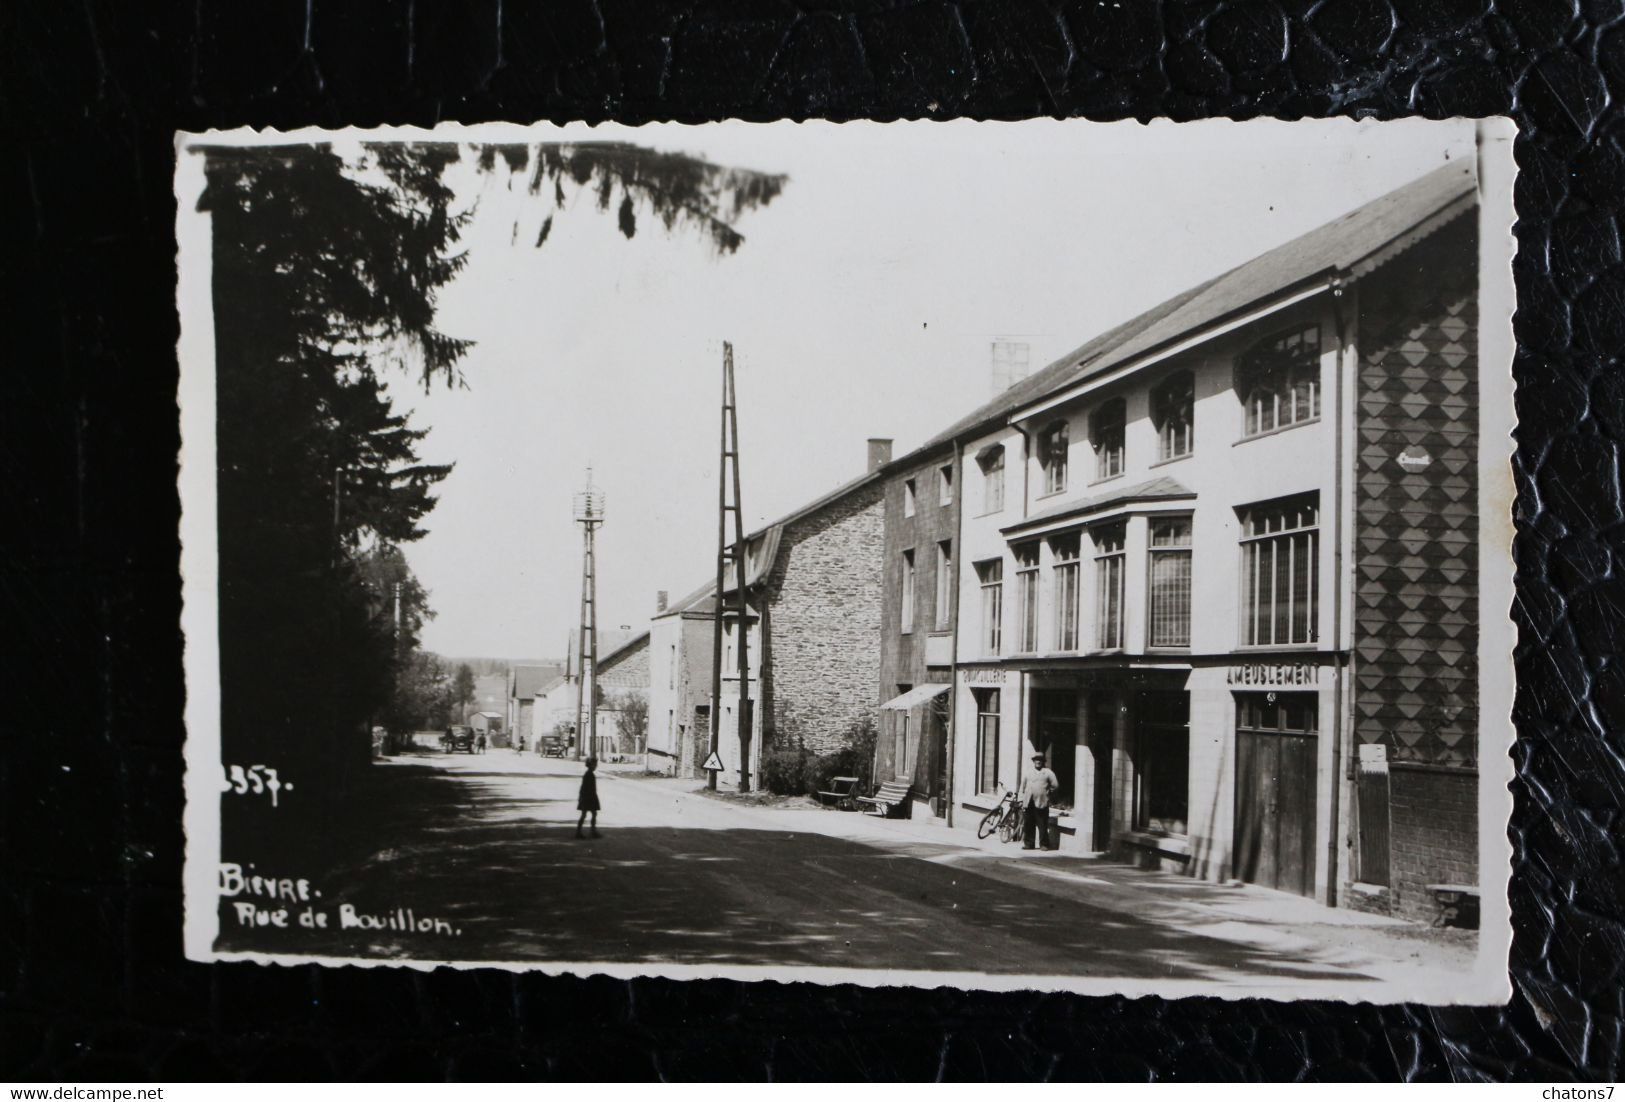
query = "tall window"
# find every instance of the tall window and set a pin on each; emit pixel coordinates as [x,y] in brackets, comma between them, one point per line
[1109,587]
[1106,437]
[1170,612]
[671,666]
[1027,597]
[1065,552]
[906,593]
[945,577]
[899,767]
[1280,571]
[1173,408]
[991,575]
[911,495]
[987,739]
[1162,756]
[1279,380]
[1052,445]
[992,463]
[945,485]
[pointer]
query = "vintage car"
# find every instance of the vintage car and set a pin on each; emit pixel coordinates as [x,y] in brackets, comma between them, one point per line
[457,738]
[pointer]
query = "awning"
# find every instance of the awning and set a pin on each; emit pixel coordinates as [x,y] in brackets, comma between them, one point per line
[917,696]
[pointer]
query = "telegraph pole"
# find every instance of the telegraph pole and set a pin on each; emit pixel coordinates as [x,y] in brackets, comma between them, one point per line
[589,513]
[735,554]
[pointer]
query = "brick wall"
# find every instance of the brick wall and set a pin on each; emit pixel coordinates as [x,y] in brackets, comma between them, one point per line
[1434,817]
[822,621]
[902,655]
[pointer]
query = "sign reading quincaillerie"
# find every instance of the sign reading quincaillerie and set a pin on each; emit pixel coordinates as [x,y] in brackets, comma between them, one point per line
[1274,673]
[983,676]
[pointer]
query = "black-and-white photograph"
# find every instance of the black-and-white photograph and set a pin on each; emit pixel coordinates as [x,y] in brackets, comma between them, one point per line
[1042,555]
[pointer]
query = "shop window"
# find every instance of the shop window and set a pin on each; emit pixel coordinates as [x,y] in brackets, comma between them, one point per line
[945,485]
[1027,598]
[1052,456]
[1278,380]
[1064,551]
[1109,587]
[1106,432]
[990,574]
[1280,572]
[1173,408]
[987,739]
[910,497]
[1162,754]
[945,592]
[1170,613]
[991,462]
[905,615]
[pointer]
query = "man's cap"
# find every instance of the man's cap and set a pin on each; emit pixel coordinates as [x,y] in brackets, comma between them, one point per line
[1038,757]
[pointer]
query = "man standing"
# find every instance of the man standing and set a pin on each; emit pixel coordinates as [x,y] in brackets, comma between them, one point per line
[1036,788]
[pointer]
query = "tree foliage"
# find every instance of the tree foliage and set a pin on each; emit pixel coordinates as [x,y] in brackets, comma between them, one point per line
[327,268]
[632,721]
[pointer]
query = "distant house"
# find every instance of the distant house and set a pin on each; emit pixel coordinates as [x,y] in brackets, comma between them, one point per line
[623,673]
[525,684]
[488,724]
[491,697]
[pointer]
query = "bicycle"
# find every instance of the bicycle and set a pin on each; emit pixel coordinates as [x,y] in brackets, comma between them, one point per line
[1004,818]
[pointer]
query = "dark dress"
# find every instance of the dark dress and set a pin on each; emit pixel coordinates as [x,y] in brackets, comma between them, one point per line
[588,800]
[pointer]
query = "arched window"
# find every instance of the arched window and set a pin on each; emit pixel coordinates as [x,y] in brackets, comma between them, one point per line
[1052,447]
[1106,437]
[1278,380]
[1173,407]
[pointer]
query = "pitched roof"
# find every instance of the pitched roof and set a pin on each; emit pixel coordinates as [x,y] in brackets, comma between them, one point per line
[1158,489]
[1338,245]
[622,647]
[528,681]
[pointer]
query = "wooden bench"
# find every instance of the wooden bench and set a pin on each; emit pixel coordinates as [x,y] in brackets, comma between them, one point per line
[842,793]
[890,801]
[1458,904]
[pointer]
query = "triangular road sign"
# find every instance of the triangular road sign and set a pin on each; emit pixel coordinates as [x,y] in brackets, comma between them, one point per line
[713,762]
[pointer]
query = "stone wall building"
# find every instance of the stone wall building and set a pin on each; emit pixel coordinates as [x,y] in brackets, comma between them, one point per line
[813,591]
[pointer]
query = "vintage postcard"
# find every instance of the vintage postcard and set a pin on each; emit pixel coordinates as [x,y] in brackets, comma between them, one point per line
[1042,555]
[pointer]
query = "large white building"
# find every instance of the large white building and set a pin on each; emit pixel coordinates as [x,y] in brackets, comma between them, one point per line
[1219,567]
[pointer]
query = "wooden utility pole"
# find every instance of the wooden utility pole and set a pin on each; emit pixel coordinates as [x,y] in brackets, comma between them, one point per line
[733,553]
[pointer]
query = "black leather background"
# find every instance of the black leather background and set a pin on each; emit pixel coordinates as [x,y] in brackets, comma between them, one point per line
[92,985]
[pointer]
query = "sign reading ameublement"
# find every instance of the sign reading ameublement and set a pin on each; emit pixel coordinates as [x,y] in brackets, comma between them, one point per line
[1274,674]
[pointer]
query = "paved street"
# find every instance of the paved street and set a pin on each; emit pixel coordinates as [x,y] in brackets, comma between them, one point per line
[487,844]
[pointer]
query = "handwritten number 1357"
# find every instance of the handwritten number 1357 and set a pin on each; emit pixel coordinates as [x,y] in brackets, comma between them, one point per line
[258,779]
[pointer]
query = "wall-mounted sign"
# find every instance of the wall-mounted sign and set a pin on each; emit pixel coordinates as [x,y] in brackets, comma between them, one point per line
[984,676]
[1414,461]
[1274,673]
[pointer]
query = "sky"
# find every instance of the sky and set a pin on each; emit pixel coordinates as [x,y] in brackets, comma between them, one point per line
[863,302]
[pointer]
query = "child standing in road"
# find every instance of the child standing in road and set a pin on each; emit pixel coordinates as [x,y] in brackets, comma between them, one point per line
[587,801]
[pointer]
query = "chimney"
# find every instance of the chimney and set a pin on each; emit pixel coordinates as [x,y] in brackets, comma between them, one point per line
[879,452]
[1010,364]
[661,597]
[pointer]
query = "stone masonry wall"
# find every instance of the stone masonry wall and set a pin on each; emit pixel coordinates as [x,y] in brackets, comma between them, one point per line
[824,600]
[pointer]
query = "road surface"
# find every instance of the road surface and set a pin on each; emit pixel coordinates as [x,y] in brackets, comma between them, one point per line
[484,846]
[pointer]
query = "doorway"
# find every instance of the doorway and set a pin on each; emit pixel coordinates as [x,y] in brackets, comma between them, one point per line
[1102,741]
[1055,735]
[1277,746]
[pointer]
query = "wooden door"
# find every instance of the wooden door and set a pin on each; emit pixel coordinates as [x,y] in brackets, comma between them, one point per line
[1102,739]
[1275,804]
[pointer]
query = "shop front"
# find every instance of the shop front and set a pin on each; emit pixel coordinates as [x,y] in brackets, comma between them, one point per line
[912,744]
[1218,769]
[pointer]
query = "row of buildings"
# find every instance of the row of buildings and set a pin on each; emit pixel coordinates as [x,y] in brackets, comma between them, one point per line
[1218,565]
